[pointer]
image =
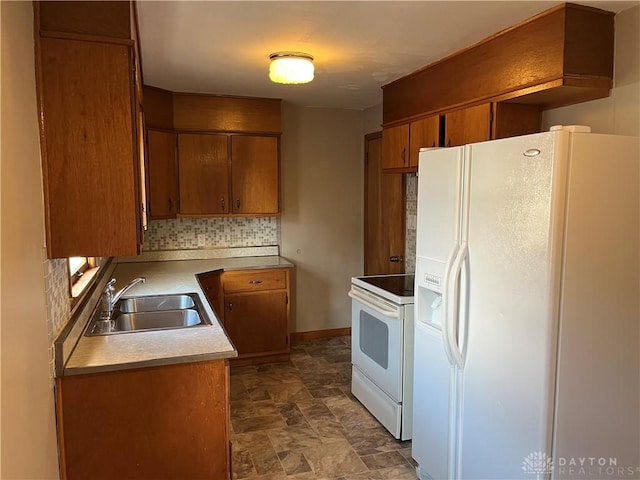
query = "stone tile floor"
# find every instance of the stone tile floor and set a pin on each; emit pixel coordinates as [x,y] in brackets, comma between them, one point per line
[298,420]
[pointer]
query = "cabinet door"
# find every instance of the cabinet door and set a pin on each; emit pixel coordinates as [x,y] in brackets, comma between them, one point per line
[423,133]
[90,159]
[468,125]
[255,174]
[395,147]
[257,322]
[513,119]
[204,179]
[162,173]
[174,423]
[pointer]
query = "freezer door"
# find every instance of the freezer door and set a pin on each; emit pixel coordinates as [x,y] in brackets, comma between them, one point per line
[507,381]
[439,200]
[432,375]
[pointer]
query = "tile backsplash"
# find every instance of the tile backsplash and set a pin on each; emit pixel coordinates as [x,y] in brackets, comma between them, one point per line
[193,233]
[412,211]
[58,298]
[57,292]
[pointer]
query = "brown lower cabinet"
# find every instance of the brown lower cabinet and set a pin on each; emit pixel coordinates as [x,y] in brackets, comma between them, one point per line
[257,322]
[253,306]
[167,422]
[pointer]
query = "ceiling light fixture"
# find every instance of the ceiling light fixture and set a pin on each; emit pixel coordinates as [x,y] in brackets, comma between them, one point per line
[291,67]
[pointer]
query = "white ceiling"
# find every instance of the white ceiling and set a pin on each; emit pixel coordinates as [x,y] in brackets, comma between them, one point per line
[223,47]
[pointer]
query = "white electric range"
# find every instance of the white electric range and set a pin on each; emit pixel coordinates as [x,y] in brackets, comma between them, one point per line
[382,349]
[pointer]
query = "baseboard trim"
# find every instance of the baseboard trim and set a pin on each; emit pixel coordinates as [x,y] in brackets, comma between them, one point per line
[244,361]
[315,334]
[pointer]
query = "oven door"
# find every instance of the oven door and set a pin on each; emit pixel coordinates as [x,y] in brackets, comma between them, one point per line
[376,337]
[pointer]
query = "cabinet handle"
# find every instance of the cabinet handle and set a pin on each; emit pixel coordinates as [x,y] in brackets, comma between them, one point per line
[230,307]
[433,144]
[255,282]
[449,143]
[170,205]
[222,203]
[238,204]
[403,155]
[395,259]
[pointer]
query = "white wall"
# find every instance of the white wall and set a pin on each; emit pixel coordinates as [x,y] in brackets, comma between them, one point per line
[28,448]
[322,223]
[620,112]
[372,119]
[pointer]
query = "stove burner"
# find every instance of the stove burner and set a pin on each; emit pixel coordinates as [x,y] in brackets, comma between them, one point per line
[400,285]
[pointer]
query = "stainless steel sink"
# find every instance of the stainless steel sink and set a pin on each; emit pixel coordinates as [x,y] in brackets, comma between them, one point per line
[127,322]
[154,303]
[156,312]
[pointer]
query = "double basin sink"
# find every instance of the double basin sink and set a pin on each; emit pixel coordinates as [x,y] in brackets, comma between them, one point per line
[155,312]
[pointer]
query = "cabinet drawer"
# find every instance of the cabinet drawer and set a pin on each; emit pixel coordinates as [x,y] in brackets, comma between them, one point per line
[253,280]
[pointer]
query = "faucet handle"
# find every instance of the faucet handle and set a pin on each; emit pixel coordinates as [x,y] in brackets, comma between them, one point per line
[110,284]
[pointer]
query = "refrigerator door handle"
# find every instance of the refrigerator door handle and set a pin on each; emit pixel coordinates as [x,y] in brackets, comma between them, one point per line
[446,304]
[463,315]
[453,323]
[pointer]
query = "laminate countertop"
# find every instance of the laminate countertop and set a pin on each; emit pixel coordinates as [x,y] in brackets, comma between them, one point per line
[163,347]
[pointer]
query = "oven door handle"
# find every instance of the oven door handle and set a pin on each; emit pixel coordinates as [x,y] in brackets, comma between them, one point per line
[387,313]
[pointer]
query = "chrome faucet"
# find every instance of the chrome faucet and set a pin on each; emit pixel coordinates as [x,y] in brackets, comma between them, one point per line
[109,299]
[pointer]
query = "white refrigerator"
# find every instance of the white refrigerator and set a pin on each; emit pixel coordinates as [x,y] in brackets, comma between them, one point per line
[527,309]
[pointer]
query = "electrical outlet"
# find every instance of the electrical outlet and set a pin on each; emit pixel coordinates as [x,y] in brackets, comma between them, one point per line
[201,240]
[411,222]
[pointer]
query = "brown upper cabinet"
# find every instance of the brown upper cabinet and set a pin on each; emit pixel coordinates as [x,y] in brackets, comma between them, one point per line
[162,172]
[228,174]
[112,19]
[401,144]
[228,152]
[487,121]
[204,174]
[423,133]
[88,128]
[499,87]
[559,57]
[222,113]
[395,147]
[468,125]
[255,174]
[490,121]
